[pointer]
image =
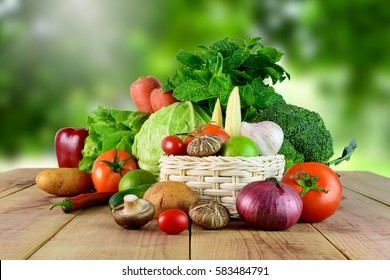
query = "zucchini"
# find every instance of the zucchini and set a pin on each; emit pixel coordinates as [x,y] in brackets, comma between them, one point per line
[117,198]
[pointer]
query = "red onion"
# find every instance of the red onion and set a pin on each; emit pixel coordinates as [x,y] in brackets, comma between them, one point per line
[269,205]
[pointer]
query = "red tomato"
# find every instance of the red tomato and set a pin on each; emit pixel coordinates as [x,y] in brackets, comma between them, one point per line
[209,129]
[322,199]
[109,168]
[173,145]
[172,221]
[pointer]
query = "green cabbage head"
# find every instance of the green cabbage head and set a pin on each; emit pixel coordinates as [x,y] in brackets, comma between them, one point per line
[167,121]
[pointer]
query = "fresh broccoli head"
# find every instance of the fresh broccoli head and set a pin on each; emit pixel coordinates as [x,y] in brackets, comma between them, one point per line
[304,130]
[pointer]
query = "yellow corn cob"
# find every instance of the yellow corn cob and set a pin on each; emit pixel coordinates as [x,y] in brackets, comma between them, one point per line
[217,114]
[233,113]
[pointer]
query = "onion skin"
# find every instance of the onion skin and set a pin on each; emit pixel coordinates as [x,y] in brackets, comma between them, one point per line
[269,205]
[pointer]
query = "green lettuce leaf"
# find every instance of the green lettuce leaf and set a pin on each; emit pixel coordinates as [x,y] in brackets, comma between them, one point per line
[109,129]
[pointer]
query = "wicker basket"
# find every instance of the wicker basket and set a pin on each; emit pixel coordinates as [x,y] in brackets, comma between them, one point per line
[220,178]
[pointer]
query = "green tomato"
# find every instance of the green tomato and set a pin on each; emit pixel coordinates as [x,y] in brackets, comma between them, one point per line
[239,146]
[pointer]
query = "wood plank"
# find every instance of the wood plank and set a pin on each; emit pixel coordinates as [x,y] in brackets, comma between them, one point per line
[238,242]
[95,235]
[360,228]
[26,222]
[16,180]
[372,185]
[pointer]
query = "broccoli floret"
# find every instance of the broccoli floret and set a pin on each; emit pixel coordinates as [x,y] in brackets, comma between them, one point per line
[291,156]
[304,129]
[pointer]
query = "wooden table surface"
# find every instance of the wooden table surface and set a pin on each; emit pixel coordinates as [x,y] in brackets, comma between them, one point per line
[360,229]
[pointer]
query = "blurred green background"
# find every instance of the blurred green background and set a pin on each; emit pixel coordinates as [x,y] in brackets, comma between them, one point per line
[61,59]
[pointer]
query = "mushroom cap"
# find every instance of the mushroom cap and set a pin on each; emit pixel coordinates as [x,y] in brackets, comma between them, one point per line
[205,145]
[209,214]
[134,213]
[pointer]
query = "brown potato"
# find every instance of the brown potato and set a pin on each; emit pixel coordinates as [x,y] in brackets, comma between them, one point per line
[64,181]
[166,195]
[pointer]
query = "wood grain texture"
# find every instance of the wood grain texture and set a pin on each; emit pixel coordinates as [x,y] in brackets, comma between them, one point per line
[95,235]
[360,228]
[16,180]
[368,184]
[26,223]
[300,242]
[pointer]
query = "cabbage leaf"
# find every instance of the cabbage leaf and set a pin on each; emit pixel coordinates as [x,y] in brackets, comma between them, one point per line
[167,121]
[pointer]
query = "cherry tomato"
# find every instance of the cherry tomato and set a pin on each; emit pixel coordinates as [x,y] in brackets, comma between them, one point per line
[172,221]
[323,192]
[212,129]
[173,145]
[109,168]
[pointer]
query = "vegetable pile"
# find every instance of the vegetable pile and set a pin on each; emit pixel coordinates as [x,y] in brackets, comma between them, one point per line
[217,103]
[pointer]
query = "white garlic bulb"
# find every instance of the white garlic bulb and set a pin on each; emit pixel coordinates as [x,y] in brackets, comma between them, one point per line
[267,135]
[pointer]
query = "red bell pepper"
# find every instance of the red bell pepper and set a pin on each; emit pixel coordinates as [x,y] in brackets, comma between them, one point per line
[69,142]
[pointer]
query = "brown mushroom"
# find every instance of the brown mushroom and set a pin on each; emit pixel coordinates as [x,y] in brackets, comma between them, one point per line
[209,214]
[205,145]
[134,212]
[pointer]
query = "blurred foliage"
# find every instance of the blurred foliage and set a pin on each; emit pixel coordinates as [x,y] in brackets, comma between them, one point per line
[343,47]
[60,59]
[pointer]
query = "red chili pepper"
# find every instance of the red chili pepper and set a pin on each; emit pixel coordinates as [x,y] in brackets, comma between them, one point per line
[83,200]
[69,142]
